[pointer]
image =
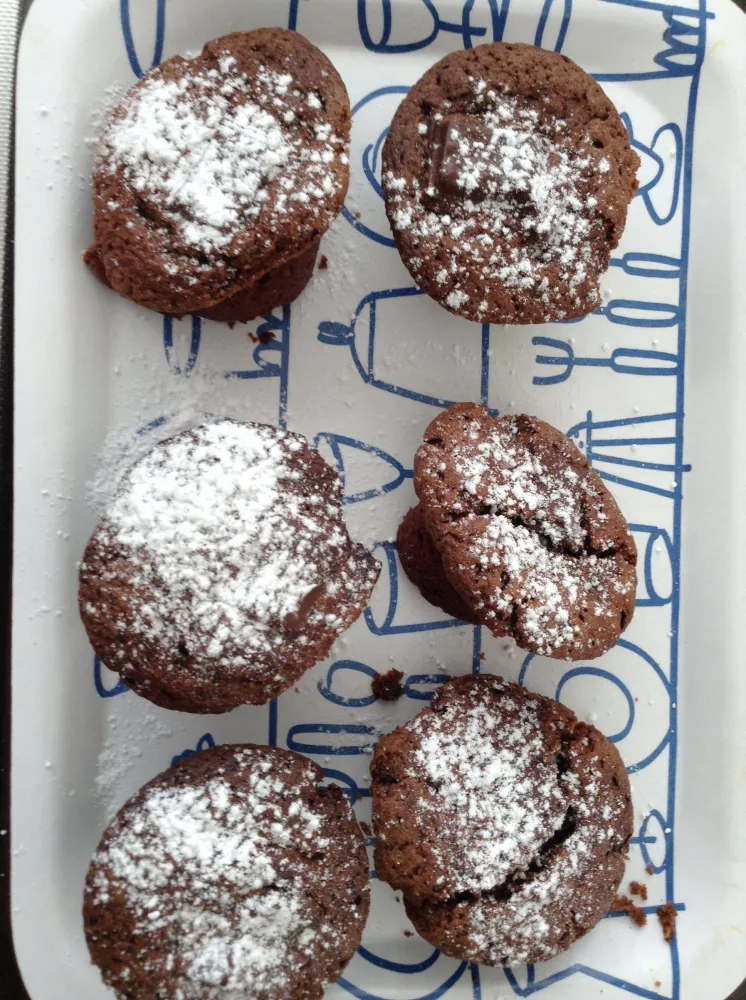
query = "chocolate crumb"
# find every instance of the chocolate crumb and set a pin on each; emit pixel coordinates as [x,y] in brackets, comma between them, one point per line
[658,984]
[263,338]
[649,869]
[357,215]
[388,686]
[482,657]
[638,889]
[667,919]
[323,262]
[625,905]
[408,933]
[365,827]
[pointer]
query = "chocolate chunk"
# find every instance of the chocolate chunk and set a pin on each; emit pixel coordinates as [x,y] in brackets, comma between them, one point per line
[460,148]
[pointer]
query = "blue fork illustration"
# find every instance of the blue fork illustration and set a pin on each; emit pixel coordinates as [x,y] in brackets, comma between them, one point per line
[624,360]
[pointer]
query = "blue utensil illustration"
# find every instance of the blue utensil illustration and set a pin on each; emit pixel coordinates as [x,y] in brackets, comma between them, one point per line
[410,29]
[553,24]
[662,160]
[391,625]
[205,742]
[653,840]
[405,969]
[168,346]
[371,162]
[683,39]
[363,349]
[627,450]
[347,784]
[421,687]
[129,42]
[636,675]
[648,265]
[100,681]
[623,360]
[336,739]
[345,451]
[655,550]
[341,668]
[270,354]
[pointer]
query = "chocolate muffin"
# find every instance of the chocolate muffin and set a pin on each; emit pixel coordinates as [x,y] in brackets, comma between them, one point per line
[502,820]
[231,874]
[222,569]
[422,563]
[507,173]
[528,535]
[216,177]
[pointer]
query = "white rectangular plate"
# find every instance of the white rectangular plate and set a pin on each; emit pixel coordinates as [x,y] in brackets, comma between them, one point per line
[360,364]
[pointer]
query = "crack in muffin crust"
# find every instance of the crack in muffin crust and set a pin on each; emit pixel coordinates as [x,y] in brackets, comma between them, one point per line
[523,531]
[502,820]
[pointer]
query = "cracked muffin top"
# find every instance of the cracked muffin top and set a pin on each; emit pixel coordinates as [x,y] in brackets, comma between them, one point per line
[502,819]
[528,534]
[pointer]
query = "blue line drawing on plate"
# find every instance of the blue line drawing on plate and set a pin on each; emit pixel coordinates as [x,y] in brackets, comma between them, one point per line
[205,742]
[630,451]
[600,439]
[293,15]
[421,687]
[129,42]
[683,37]
[273,339]
[634,312]
[435,994]
[542,35]
[371,164]
[648,837]
[339,445]
[578,968]
[364,353]
[432,25]
[657,560]
[649,664]
[660,167]
[613,679]
[648,265]
[338,730]
[623,360]
[407,967]
[612,914]
[325,686]
[390,570]
[101,689]
[168,346]
[348,784]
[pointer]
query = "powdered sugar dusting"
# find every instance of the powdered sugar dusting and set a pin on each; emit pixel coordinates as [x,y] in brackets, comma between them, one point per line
[541,531]
[508,198]
[224,538]
[207,158]
[501,470]
[213,870]
[524,814]
[498,796]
